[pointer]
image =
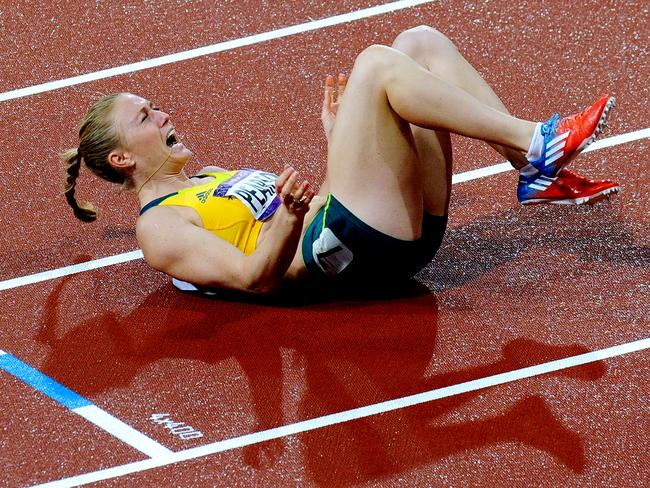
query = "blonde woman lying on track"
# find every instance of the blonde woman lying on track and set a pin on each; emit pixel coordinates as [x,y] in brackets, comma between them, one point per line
[381,212]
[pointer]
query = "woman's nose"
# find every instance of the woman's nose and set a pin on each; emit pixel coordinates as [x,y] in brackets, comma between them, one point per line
[164,117]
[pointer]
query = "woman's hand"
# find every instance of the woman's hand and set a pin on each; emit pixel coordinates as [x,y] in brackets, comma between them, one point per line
[331,102]
[296,198]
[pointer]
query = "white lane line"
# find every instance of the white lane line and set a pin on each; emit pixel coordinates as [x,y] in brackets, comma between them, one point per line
[69,270]
[214,48]
[354,414]
[122,431]
[619,139]
[137,254]
[480,173]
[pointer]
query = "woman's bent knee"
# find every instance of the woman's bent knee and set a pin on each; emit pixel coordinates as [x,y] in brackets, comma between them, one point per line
[423,41]
[374,55]
[374,60]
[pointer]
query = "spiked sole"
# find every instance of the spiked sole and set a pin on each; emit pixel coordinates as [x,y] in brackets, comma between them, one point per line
[602,123]
[591,199]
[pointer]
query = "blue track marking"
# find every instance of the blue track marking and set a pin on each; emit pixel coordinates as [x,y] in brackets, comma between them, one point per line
[80,406]
[46,385]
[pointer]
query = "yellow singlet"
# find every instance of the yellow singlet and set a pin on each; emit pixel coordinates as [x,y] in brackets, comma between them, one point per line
[233,206]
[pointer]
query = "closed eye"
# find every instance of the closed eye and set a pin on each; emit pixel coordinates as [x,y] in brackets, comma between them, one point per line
[146,112]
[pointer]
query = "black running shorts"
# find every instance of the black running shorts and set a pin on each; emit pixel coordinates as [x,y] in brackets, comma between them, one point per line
[339,246]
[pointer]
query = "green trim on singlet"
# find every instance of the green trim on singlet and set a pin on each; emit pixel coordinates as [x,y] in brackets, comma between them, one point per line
[158,201]
[155,202]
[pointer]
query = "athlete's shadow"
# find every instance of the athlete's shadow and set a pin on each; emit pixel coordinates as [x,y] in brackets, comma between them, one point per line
[592,233]
[107,352]
[379,447]
[344,354]
[386,351]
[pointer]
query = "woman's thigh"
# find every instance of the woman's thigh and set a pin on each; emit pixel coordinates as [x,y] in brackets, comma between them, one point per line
[433,147]
[373,167]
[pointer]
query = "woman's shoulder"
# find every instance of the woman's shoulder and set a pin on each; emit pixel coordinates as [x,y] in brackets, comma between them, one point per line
[165,216]
[211,169]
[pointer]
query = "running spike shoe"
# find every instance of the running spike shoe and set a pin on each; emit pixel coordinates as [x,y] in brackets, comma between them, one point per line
[595,188]
[567,188]
[565,138]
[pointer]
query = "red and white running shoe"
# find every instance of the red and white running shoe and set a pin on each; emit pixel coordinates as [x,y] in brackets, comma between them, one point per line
[565,138]
[567,188]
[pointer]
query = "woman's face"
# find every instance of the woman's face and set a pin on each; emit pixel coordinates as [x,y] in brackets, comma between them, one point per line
[147,135]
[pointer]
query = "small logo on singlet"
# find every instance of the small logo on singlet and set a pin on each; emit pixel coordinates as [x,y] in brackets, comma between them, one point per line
[203,196]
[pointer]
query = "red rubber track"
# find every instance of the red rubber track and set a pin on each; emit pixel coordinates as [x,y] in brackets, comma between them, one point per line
[511,286]
[82,36]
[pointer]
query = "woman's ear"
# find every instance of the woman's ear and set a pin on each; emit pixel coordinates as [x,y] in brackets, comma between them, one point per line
[120,160]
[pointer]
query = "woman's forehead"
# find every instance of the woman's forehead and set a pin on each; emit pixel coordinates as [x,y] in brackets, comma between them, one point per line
[129,100]
[129,105]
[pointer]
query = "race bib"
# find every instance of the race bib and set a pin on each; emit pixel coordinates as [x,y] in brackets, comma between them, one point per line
[255,189]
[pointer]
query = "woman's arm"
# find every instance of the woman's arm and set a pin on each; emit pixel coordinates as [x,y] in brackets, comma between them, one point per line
[186,251]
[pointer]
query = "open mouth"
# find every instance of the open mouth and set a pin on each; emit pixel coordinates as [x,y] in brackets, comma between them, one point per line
[171,138]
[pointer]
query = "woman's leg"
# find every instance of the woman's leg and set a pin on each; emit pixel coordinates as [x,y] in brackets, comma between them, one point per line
[438,55]
[373,165]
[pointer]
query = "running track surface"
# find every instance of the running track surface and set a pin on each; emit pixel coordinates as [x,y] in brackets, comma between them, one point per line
[511,287]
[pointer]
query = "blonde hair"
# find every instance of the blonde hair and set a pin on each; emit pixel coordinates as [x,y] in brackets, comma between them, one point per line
[98,136]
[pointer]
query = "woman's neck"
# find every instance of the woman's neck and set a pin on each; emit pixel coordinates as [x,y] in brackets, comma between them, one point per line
[163,184]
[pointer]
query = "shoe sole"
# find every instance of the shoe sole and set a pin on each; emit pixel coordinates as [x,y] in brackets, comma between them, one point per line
[600,126]
[591,199]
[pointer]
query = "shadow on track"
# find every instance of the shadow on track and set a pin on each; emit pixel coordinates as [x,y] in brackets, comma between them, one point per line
[345,354]
[594,234]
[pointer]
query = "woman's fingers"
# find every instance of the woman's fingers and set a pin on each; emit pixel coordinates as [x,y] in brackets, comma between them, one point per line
[343,80]
[295,197]
[301,191]
[286,182]
[281,180]
[300,200]
[287,189]
[329,93]
[332,96]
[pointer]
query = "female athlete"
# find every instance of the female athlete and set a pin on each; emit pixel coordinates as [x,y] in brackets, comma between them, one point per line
[381,212]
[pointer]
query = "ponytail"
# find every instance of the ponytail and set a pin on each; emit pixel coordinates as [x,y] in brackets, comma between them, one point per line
[86,212]
[98,136]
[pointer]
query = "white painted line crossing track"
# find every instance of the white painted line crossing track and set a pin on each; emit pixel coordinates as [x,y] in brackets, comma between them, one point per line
[349,415]
[214,48]
[122,431]
[72,269]
[67,398]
